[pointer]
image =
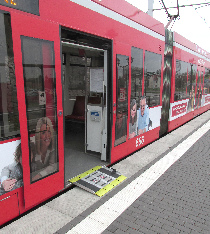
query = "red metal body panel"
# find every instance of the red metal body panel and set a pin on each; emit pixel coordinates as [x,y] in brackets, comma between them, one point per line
[126,9]
[48,31]
[181,120]
[189,56]
[10,206]
[134,144]
[185,42]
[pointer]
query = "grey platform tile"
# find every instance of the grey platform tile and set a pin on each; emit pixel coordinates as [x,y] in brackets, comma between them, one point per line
[44,220]
[134,163]
[73,202]
[125,169]
[157,147]
[170,139]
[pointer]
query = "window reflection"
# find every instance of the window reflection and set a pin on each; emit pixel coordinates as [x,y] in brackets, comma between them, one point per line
[136,73]
[182,79]
[152,78]
[39,76]
[122,99]
[207,81]
[9,120]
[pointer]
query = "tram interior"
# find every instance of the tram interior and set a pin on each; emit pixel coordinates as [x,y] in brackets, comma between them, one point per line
[77,63]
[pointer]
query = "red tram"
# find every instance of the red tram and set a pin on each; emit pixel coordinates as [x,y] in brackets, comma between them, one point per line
[83,83]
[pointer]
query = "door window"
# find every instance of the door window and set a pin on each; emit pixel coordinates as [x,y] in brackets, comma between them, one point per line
[122,98]
[39,77]
[9,120]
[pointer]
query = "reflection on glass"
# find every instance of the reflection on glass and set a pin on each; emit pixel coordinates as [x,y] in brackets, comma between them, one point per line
[43,152]
[191,87]
[133,119]
[9,120]
[207,81]
[182,80]
[152,78]
[39,76]
[122,99]
[30,6]
[136,73]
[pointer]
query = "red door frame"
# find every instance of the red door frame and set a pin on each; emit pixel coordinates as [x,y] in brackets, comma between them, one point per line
[24,25]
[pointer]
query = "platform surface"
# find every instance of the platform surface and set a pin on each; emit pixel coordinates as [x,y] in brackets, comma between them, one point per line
[173,197]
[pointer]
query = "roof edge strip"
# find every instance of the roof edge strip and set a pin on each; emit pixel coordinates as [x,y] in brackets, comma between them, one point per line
[131,12]
[117,17]
[184,48]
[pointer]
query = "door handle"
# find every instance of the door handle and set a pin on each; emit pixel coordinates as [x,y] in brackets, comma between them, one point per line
[60,113]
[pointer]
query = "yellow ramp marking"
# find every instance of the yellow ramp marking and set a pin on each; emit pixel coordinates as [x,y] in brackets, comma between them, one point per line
[73,180]
[110,186]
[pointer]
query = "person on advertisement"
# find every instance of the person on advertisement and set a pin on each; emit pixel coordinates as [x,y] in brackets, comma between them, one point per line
[44,162]
[133,120]
[120,128]
[143,119]
[12,175]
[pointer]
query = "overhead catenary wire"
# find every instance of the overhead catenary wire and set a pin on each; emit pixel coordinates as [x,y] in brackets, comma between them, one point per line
[189,5]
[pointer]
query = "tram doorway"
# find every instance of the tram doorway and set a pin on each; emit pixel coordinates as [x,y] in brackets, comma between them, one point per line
[85,107]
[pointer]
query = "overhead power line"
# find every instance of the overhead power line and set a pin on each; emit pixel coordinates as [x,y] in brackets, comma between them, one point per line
[196,4]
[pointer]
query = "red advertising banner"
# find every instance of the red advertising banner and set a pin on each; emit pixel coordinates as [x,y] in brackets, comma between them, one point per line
[207,99]
[179,109]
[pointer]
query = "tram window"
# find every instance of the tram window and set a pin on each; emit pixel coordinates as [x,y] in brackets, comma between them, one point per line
[181,80]
[40,93]
[136,73]
[152,78]
[122,79]
[207,81]
[9,120]
[191,84]
[30,6]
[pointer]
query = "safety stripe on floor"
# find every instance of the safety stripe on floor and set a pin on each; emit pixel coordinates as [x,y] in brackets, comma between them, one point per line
[102,217]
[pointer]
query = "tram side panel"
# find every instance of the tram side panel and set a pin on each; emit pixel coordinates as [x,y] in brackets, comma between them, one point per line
[138,94]
[190,85]
[112,30]
[11,178]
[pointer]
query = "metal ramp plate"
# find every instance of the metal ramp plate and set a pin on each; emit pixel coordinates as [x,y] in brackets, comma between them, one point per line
[98,180]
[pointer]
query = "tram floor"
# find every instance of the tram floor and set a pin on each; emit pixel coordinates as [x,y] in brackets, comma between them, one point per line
[76,160]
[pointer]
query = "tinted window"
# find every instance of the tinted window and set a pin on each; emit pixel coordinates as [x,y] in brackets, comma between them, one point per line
[9,120]
[122,76]
[152,78]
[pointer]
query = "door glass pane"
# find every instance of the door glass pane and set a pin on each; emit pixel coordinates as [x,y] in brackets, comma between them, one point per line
[122,98]
[39,76]
[9,120]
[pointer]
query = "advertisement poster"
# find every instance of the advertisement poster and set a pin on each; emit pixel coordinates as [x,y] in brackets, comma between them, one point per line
[11,173]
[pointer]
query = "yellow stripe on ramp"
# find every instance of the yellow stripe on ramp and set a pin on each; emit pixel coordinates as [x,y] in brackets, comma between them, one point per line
[110,186]
[75,179]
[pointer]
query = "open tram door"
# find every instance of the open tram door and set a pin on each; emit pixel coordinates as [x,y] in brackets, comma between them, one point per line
[39,91]
[85,102]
